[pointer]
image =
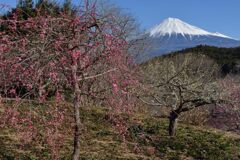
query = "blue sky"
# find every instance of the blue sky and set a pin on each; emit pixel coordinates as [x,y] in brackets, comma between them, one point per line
[212,15]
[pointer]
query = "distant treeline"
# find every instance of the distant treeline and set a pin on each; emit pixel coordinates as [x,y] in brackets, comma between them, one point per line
[227,58]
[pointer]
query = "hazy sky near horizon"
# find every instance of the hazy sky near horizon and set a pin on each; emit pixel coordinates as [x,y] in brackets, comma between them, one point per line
[212,15]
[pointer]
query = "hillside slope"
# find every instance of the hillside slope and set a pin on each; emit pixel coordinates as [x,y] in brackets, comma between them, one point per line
[147,139]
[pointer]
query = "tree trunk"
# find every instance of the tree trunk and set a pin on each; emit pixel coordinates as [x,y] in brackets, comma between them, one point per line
[41,91]
[76,105]
[172,123]
[41,86]
[77,130]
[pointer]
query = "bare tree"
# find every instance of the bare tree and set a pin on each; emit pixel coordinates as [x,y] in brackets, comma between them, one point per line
[181,82]
[137,43]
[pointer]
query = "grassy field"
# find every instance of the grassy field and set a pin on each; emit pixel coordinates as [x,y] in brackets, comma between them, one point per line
[147,139]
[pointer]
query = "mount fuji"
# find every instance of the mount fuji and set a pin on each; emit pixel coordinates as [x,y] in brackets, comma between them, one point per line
[173,35]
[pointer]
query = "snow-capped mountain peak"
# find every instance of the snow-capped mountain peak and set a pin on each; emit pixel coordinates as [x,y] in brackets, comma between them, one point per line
[174,35]
[172,26]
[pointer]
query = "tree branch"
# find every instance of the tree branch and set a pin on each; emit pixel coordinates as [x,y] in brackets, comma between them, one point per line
[98,75]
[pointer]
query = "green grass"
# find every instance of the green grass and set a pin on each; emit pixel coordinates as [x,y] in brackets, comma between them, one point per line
[147,139]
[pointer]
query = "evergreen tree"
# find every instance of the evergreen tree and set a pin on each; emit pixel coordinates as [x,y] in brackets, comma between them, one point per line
[68,8]
[26,8]
[48,7]
[25,4]
[67,5]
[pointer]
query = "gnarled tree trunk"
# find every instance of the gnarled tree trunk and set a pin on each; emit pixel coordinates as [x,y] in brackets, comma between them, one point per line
[173,118]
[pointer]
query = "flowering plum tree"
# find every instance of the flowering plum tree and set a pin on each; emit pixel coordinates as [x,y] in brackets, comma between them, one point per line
[83,54]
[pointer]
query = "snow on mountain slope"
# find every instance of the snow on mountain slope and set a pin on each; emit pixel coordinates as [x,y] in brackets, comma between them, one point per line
[172,26]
